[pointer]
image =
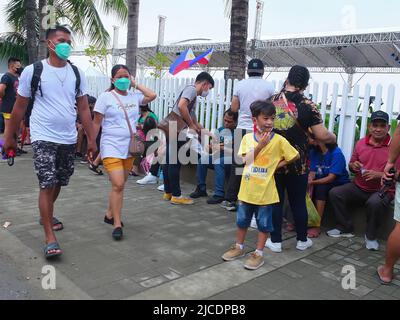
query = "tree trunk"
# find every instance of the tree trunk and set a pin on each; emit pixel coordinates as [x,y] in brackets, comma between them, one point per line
[42,54]
[238,42]
[132,38]
[31,41]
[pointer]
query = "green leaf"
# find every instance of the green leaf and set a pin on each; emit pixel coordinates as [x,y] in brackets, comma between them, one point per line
[13,44]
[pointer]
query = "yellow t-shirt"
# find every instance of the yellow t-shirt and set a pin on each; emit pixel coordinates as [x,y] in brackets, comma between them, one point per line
[258,182]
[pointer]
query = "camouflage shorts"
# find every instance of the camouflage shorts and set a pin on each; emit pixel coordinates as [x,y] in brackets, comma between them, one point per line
[53,162]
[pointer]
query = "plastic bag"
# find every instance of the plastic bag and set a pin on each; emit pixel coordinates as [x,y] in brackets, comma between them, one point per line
[314,220]
[197,147]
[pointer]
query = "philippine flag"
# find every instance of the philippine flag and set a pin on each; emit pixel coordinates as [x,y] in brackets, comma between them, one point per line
[203,58]
[183,62]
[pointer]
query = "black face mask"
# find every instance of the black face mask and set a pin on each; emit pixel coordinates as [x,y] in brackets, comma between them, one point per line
[295,97]
[19,70]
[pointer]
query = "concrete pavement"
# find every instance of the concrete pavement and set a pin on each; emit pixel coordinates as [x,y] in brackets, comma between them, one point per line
[168,252]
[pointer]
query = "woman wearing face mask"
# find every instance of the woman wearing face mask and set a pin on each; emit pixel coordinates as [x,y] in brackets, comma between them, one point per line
[295,116]
[109,113]
[328,170]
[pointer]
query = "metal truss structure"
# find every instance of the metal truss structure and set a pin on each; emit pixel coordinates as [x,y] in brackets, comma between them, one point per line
[352,53]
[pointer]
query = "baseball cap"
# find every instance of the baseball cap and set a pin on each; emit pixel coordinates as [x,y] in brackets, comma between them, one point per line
[255,66]
[380,115]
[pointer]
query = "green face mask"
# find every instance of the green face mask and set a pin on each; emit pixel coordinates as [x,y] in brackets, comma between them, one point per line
[122,84]
[63,50]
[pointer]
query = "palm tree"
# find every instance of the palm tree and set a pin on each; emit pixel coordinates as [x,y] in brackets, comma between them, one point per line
[239,15]
[31,17]
[42,51]
[81,15]
[132,37]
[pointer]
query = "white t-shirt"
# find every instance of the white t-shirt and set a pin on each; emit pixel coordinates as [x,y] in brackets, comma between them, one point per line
[53,115]
[115,135]
[248,91]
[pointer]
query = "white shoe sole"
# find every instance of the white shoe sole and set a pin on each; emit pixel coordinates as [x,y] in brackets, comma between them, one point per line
[274,249]
[345,235]
[303,248]
[230,208]
[144,183]
[254,268]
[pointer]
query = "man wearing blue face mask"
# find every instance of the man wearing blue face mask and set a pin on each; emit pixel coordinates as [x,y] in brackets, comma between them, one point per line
[54,87]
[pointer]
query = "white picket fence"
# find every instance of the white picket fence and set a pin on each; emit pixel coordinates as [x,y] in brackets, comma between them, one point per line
[330,97]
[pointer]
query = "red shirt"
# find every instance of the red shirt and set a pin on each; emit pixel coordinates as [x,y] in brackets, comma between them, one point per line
[372,158]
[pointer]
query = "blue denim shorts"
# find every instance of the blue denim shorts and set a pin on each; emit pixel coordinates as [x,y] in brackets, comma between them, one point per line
[263,215]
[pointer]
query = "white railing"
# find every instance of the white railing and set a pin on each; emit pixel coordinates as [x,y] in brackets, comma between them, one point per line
[350,115]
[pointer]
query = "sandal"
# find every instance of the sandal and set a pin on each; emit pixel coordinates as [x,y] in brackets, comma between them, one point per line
[57,224]
[110,221]
[313,232]
[95,169]
[381,279]
[52,250]
[117,233]
[290,227]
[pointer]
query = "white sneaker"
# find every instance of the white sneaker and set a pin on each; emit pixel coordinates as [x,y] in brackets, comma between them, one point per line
[253,223]
[273,246]
[371,244]
[336,233]
[304,245]
[149,179]
[160,188]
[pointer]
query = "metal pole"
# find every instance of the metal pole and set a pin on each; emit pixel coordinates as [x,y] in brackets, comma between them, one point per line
[350,78]
[161,31]
[115,56]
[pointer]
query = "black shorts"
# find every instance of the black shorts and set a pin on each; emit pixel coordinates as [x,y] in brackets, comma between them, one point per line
[53,162]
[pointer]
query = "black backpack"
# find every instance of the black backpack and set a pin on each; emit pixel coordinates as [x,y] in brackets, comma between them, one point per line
[37,72]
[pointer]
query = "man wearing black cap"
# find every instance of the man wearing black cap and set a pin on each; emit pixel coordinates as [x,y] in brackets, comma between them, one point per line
[367,163]
[245,93]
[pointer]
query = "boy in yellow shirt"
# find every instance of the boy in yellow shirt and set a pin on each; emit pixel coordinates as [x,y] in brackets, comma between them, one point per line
[263,152]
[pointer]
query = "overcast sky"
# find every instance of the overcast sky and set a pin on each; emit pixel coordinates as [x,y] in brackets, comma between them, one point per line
[188,19]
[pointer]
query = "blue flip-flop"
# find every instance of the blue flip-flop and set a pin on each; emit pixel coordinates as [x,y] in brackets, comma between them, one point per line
[50,247]
[57,224]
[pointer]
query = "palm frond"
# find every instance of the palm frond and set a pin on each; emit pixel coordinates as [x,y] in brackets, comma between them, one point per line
[13,44]
[228,8]
[15,14]
[118,7]
[85,20]
[81,15]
